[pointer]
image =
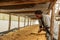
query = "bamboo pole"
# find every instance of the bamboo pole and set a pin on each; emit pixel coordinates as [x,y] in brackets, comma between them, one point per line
[18,22]
[9,22]
[59,33]
[52,24]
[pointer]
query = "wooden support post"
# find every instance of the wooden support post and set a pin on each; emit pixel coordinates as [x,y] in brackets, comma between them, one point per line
[52,23]
[33,22]
[18,22]
[28,21]
[59,33]
[9,22]
[24,21]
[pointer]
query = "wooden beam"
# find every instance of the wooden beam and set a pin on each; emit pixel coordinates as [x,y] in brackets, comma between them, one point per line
[52,24]
[28,10]
[59,33]
[18,22]
[17,11]
[9,22]
[52,3]
[20,3]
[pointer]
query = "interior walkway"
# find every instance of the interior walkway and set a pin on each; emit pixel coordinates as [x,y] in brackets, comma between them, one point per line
[25,34]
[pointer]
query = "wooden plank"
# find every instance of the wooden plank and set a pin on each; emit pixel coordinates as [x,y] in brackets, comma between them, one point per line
[52,23]
[59,33]
[18,22]
[28,10]
[9,22]
[20,3]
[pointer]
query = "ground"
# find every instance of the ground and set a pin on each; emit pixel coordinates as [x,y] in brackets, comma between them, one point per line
[25,34]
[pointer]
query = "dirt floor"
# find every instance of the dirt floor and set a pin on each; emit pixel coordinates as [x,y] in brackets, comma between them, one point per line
[25,34]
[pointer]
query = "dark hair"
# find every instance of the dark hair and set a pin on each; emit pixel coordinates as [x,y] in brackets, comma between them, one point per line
[38,12]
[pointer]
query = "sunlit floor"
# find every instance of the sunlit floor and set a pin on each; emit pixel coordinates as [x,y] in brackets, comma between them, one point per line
[25,34]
